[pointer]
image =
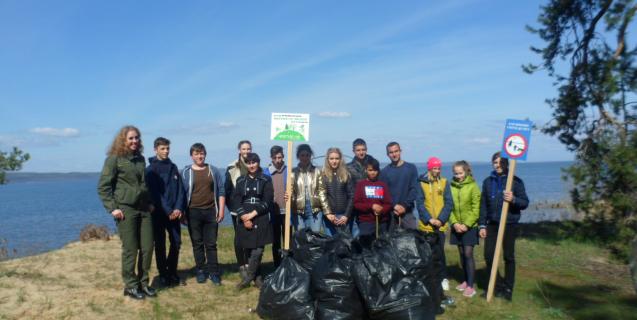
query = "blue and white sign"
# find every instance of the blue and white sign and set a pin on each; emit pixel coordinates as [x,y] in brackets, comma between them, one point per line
[517,136]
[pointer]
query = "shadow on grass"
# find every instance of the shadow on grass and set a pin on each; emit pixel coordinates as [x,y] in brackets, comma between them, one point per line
[188,275]
[587,301]
[549,231]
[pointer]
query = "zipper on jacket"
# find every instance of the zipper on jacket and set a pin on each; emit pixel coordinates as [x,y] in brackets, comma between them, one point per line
[460,204]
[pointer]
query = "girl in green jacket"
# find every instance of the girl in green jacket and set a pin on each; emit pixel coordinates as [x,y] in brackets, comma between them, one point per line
[464,221]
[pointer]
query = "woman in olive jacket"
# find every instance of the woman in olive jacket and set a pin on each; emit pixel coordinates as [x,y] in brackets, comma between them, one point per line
[464,221]
[123,192]
[253,197]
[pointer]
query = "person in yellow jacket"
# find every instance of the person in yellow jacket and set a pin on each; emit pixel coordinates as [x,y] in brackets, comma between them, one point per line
[464,221]
[434,211]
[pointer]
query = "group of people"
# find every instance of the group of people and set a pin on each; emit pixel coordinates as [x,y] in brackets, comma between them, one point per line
[359,198]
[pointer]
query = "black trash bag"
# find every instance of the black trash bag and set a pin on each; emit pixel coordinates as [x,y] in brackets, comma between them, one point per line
[308,247]
[333,286]
[434,278]
[390,276]
[413,251]
[285,294]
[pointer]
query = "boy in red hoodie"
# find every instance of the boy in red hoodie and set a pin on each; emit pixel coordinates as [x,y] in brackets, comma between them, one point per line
[372,199]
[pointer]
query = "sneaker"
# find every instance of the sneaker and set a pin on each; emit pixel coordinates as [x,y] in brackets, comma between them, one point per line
[149,291]
[445,284]
[216,279]
[201,276]
[497,291]
[447,301]
[469,292]
[462,286]
[505,293]
[177,281]
[164,282]
[134,293]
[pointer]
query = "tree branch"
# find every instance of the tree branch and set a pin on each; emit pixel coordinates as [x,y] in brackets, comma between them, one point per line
[621,35]
[590,31]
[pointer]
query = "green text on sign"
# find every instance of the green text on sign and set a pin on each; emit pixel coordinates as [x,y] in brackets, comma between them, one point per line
[290,126]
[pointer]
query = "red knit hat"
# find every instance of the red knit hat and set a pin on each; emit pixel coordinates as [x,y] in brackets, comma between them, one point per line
[433,162]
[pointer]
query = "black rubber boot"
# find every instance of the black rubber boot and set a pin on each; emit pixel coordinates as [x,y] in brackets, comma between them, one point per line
[246,277]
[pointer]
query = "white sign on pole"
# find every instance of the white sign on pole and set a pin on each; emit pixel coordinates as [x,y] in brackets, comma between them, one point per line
[290,126]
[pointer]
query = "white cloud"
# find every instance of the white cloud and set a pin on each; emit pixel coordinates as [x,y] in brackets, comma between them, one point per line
[332,114]
[480,140]
[227,124]
[56,132]
[206,128]
[10,141]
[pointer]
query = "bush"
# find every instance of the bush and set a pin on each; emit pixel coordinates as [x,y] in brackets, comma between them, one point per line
[93,232]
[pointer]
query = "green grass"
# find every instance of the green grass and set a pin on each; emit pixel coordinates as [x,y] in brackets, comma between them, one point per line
[557,278]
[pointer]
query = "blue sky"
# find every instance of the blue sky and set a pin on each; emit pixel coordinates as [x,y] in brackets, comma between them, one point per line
[440,77]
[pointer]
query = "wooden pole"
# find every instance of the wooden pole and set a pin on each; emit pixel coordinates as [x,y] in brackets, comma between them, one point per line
[288,202]
[501,230]
[376,226]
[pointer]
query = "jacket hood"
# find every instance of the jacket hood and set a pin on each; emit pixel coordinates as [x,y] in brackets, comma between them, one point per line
[259,175]
[189,166]
[495,175]
[365,160]
[467,180]
[272,168]
[425,177]
[155,160]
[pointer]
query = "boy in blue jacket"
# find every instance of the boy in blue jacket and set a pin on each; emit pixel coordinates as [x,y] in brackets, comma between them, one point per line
[493,197]
[168,195]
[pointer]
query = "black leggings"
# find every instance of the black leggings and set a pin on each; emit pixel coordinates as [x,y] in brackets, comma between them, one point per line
[468,264]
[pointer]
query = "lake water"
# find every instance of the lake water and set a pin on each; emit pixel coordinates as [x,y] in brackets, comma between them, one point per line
[42,212]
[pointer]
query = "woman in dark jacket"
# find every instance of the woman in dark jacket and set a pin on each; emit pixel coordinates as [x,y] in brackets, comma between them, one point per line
[339,189]
[253,197]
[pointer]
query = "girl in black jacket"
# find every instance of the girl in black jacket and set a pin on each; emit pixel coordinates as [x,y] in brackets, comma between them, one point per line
[253,197]
[339,189]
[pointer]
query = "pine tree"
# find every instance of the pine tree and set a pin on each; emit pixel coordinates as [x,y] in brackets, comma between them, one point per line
[11,162]
[587,54]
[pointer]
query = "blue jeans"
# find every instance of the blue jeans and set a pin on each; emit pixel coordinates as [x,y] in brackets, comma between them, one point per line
[353,226]
[308,219]
[312,221]
[330,228]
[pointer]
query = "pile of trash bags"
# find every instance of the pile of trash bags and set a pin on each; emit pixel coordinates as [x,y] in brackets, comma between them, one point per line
[344,278]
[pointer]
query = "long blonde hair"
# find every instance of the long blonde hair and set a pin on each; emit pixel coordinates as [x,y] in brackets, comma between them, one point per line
[118,147]
[341,171]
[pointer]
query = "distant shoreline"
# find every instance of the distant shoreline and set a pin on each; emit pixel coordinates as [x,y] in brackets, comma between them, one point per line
[548,215]
[418,164]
